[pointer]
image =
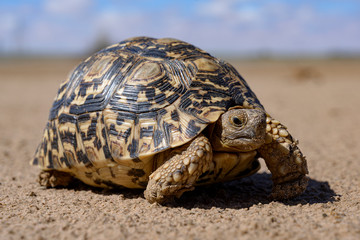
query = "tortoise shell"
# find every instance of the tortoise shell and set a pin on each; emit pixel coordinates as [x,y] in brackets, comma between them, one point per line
[134,99]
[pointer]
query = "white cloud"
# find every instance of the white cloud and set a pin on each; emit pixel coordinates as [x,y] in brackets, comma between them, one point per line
[8,23]
[117,25]
[275,27]
[74,26]
[235,11]
[49,36]
[216,8]
[65,7]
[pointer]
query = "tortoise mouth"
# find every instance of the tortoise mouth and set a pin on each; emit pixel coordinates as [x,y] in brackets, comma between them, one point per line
[243,144]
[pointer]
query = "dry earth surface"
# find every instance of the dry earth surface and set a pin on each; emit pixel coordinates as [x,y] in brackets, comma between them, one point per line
[319,102]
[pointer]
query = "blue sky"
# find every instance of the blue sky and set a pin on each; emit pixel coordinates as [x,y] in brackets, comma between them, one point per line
[218,26]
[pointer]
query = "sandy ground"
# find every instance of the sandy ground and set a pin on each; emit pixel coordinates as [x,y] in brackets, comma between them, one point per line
[317,100]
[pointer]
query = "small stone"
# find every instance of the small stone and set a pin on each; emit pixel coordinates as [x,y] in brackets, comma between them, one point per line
[32,194]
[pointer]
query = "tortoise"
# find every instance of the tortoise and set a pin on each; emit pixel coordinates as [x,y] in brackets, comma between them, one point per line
[164,115]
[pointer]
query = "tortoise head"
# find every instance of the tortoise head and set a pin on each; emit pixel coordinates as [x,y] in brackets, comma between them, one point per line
[239,130]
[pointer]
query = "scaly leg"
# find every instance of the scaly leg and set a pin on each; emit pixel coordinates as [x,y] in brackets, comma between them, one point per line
[284,160]
[53,178]
[179,174]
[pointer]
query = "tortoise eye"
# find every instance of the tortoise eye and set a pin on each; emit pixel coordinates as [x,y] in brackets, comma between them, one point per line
[237,121]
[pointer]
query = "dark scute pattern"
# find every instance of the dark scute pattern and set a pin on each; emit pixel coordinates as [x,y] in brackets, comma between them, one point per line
[192,130]
[156,53]
[133,148]
[99,101]
[65,161]
[158,137]
[126,134]
[136,39]
[175,116]
[134,49]
[68,86]
[167,93]
[108,183]
[50,166]
[146,132]
[81,157]
[68,137]
[240,90]
[186,101]
[84,87]
[55,140]
[136,172]
[171,99]
[84,118]
[148,115]
[107,152]
[65,118]
[97,143]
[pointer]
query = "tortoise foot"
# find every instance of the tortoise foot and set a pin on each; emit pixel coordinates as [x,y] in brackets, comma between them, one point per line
[287,190]
[54,179]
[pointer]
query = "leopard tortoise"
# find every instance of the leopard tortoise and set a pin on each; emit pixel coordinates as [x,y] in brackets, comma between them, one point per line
[164,115]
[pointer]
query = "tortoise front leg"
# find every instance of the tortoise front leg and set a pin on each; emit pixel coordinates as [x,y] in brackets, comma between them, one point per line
[179,174]
[284,160]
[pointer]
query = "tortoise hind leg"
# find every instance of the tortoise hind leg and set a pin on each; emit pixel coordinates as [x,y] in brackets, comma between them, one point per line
[53,178]
[179,174]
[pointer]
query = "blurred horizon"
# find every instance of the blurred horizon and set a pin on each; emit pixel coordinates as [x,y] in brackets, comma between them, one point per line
[233,28]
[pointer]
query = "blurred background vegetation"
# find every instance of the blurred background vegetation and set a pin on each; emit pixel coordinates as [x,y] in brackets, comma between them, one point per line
[225,28]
